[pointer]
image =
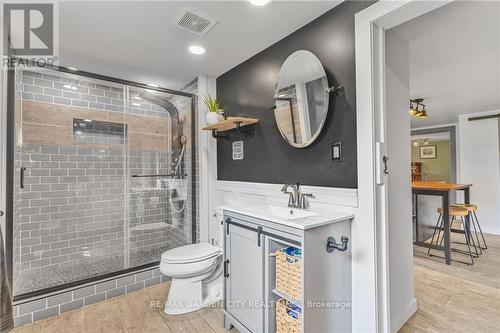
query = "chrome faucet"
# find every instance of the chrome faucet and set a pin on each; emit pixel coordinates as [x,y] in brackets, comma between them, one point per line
[296,199]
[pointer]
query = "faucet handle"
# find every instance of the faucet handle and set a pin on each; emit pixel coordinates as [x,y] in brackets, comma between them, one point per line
[304,202]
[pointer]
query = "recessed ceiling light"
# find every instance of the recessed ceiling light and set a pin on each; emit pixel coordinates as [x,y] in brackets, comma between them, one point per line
[260,3]
[72,68]
[154,85]
[197,49]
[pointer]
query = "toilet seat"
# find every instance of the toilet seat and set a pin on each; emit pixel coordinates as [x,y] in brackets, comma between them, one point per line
[190,253]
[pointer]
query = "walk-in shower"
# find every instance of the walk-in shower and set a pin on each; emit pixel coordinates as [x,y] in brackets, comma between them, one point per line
[102,176]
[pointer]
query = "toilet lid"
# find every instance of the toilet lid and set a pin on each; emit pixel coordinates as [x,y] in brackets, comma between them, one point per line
[189,253]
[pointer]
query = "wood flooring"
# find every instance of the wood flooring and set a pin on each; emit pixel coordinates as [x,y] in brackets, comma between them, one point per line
[454,298]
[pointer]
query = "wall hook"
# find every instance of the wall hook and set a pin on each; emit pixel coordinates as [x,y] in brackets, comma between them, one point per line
[331,244]
[336,90]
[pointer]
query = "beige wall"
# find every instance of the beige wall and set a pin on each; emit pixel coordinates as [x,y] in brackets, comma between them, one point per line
[438,169]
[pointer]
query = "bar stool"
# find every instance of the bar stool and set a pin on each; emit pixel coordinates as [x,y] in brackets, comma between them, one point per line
[455,213]
[475,224]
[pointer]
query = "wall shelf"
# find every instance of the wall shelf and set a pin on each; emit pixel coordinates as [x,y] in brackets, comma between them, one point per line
[231,123]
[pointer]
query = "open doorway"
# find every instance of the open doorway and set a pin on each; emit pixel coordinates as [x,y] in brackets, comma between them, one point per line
[454,221]
[438,61]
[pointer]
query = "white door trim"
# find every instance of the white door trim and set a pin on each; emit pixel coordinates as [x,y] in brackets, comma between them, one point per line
[207,159]
[371,229]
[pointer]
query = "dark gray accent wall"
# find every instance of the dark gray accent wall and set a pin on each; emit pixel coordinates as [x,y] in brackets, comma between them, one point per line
[247,90]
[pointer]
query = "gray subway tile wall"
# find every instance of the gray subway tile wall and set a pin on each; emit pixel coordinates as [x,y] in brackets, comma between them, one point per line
[80,215]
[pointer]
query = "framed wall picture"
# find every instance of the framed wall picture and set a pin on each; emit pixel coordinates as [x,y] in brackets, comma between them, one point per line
[428,152]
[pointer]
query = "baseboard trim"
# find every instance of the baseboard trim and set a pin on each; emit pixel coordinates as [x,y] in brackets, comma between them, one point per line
[406,314]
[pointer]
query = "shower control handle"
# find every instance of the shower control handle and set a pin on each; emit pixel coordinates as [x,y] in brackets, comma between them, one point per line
[1,213]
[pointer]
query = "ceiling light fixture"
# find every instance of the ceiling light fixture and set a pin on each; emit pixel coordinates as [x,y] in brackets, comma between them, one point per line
[197,49]
[417,109]
[260,3]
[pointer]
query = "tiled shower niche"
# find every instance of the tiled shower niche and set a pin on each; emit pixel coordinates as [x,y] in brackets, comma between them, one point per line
[80,212]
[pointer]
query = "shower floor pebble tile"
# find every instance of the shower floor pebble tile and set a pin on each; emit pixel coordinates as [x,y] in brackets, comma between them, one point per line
[140,311]
[32,281]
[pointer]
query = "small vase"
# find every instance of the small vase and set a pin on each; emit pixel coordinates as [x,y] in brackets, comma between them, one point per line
[212,118]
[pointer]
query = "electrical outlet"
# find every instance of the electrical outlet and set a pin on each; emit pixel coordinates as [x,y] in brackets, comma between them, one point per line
[337,154]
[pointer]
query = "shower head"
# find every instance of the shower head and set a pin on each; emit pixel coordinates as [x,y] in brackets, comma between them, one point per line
[162,102]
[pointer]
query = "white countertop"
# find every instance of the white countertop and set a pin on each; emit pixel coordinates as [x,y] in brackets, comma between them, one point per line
[276,214]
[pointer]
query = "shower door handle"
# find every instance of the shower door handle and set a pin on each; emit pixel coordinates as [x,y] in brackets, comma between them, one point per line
[226,270]
[259,233]
[21,176]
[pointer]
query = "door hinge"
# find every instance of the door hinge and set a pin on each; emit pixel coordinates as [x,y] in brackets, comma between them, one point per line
[381,159]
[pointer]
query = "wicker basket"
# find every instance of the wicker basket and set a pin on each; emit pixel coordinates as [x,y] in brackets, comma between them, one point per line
[289,275]
[287,320]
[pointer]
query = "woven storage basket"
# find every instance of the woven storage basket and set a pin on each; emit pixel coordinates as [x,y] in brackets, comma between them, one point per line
[289,275]
[285,322]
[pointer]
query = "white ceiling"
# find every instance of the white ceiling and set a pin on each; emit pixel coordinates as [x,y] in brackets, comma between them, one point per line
[455,60]
[137,40]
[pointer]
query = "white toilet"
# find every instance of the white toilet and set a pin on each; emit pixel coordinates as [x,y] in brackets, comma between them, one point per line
[196,273]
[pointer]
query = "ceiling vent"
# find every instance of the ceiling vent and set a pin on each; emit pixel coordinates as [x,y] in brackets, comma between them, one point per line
[194,21]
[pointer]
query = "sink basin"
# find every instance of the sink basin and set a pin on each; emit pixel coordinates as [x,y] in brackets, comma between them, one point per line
[289,213]
[290,217]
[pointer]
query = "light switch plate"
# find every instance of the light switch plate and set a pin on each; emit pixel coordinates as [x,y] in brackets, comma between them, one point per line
[238,153]
[337,154]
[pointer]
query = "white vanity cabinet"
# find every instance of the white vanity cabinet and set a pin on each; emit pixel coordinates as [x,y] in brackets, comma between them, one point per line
[250,282]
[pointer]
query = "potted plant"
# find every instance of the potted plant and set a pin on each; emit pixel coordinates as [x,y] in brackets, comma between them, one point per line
[214,110]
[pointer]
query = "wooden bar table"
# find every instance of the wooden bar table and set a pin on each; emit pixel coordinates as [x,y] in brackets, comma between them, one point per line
[442,190]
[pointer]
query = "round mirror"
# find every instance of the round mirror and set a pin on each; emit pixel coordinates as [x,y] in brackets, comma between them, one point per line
[301,99]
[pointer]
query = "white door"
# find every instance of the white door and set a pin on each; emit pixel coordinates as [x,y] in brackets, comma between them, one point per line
[244,285]
[393,191]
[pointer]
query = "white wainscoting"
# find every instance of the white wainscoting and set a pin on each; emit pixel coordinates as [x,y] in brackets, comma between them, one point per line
[330,198]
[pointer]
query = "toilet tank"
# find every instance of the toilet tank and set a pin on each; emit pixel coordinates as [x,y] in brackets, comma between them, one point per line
[217,227]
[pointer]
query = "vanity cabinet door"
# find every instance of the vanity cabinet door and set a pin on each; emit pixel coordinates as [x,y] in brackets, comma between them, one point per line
[244,285]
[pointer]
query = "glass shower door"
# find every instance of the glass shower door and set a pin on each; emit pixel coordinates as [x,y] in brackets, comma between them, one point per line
[103,178]
[70,169]
[159,154]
